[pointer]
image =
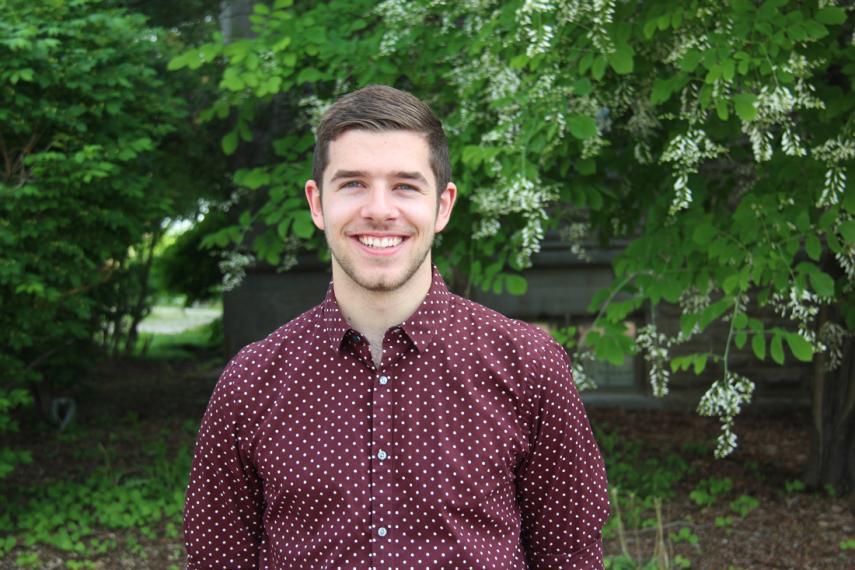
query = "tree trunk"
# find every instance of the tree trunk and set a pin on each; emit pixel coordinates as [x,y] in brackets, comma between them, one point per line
[832,454]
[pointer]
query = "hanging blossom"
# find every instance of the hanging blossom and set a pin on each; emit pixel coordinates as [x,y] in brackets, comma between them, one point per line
[801,306]
[290,245]
[575,234]
[687,151]
[725,399]
[521,196]
[233,266]
[399,17]
[580,376]
[834,153]
[693,301]
[538,36]
[832,336]
[775,108]
[654,348]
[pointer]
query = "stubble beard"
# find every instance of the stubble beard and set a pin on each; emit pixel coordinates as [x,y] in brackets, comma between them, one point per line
[382,285]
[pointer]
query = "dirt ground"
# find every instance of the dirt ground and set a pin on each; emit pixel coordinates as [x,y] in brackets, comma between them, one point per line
[788,530]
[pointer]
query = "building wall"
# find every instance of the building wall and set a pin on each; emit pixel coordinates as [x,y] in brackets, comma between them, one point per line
[560,288]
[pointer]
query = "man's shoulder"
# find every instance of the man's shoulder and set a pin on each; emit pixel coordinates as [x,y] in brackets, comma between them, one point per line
[488,322]
[275,346]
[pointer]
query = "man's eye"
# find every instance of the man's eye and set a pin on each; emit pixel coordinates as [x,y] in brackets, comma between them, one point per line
[407,187]
[352,184]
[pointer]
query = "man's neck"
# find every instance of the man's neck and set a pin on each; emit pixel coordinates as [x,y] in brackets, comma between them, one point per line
[372,313]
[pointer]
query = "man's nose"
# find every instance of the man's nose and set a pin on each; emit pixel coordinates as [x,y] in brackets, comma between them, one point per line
[379,203]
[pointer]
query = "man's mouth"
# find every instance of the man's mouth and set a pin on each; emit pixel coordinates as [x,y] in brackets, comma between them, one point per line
[380,242]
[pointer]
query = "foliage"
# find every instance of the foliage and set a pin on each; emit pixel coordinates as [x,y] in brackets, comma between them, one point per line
[140,501]
[81,113]
[96,152]
[707,492]
[716,137]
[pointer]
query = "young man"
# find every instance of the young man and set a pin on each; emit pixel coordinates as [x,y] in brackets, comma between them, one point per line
[395,425]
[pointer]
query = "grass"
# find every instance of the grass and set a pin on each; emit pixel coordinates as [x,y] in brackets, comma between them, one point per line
[180,346]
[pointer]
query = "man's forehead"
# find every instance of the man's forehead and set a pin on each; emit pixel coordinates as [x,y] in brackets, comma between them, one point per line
[388,151]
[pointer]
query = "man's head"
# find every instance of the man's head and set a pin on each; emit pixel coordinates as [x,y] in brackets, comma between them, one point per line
[382,108]
[382,160]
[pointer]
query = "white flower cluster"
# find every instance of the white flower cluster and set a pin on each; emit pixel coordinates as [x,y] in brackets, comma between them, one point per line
[291,245]
[687,151]
[580,376]
[595,15]
[724,399]
[802,306]
[233,266]
[538,35]
[834,152]
[692,300]
[832,336]
[399,17]
[521,196]
[314,108]
[775,108]
[574,234]
[654,347]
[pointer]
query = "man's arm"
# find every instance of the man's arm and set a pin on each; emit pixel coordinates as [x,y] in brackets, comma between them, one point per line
[224,503]
[561,485]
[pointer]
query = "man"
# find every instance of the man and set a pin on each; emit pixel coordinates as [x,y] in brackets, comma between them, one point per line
[395,425]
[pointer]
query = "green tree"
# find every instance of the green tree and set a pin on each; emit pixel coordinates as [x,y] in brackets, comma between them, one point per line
[85,126]
[716,137]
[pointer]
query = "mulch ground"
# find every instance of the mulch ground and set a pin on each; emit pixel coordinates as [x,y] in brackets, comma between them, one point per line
[788,530]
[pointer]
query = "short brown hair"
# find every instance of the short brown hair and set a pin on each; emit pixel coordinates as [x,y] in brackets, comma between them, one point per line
[382,108]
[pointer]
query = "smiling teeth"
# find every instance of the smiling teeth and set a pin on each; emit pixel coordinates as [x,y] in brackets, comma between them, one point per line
[380,242]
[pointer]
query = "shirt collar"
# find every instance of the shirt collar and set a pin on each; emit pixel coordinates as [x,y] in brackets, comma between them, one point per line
[430,318]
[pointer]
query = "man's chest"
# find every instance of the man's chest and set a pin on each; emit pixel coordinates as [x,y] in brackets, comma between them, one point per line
[421,433]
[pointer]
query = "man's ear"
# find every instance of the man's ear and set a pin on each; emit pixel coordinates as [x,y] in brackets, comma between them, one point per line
[445,206]
[313,195]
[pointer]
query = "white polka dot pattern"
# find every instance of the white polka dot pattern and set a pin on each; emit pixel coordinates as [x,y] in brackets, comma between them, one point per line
[467,448]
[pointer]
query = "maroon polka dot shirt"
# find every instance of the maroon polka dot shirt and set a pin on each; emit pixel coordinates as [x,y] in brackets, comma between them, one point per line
[467,448]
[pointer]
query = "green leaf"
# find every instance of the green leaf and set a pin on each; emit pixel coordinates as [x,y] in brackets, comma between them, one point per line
[583,87]
[661,91]
[744,103]
[822,283]
[229,142]
[690,60]
[582,127]
[831,15]
[813,247]
[303,226]
[847,230]
[740,338]
[700,363]
[800,348]
[516,284]
[758,345]
[598,69]
[585,167]
[621,59]
[777,348]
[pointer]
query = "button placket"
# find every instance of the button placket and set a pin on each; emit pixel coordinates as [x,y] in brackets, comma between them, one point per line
[382,477]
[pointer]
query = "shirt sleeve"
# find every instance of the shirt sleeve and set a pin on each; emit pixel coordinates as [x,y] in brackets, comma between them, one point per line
[561,484]
[224,502]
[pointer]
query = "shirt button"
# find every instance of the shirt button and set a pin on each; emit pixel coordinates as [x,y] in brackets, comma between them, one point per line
[381,455]
[381,531]
[384,380]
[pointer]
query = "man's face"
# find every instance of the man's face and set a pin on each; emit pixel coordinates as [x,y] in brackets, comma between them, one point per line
[379,208]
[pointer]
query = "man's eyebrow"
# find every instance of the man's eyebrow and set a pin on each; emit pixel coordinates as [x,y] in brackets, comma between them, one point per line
[404,175]
[348,174]
[411,176]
